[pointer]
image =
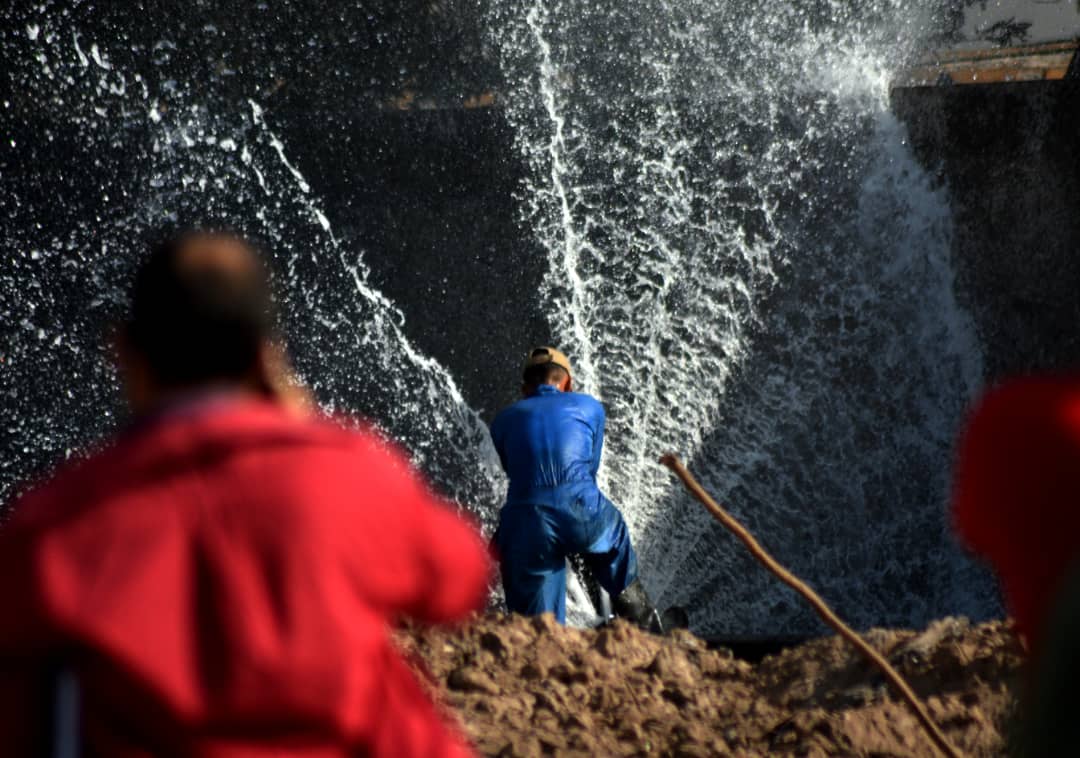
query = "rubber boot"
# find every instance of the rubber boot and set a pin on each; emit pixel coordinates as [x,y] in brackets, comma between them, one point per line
[633,604]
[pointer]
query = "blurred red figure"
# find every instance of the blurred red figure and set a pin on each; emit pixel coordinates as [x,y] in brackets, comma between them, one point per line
[1017,496]
[222,579]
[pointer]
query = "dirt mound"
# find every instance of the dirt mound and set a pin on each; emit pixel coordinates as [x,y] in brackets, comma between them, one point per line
[528,687]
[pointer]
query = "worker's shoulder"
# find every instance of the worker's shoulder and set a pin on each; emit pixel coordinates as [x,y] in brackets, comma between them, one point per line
[61,491]
[522,408]
[574,403]
[506,418]
[359,448]
[351,478]
[586,403]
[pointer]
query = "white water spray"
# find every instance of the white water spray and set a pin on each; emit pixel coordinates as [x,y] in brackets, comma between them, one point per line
[758,272]
[743,258]
[199,165]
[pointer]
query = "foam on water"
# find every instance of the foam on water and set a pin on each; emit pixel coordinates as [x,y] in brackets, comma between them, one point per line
[753,271]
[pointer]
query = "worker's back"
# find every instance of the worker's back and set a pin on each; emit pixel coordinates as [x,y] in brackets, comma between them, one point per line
[220,583]
[550,445]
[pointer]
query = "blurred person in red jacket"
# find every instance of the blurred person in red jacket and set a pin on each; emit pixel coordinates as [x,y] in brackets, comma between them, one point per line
[1017,493]
[221,580]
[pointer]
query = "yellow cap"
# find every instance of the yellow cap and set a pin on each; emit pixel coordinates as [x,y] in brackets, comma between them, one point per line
[547,356]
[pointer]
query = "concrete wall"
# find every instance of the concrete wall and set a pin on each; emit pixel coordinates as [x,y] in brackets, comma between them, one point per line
[1009,155]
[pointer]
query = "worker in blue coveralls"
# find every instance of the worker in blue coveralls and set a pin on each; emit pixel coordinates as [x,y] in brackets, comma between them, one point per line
[549,443]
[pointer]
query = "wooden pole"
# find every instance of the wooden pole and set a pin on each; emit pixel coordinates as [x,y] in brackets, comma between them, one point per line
[827,615]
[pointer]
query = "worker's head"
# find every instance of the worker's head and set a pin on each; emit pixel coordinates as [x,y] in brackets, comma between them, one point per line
[201,318]
[546,365]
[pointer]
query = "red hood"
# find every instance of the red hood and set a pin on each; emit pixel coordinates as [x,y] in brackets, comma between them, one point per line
[227,567]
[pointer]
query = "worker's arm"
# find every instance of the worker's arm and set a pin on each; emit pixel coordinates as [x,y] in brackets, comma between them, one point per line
[497,440]
[25,628]
[1016,484]
[1015,465]
[456,563]
[415,555]
[24,639]
[23,708]
[980,472]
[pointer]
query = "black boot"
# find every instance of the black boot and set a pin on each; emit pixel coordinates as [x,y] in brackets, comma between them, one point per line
[633,604]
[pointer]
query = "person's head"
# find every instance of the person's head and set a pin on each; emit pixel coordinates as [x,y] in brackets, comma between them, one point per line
[201,318]
[546,365]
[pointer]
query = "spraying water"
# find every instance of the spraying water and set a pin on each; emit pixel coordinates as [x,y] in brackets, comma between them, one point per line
[744,259]
[162,155]
[752,270]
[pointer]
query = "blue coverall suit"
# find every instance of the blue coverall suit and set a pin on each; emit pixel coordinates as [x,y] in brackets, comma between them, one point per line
[550,445]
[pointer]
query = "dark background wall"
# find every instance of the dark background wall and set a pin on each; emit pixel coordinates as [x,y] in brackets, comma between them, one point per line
[429,196]
[1009,155]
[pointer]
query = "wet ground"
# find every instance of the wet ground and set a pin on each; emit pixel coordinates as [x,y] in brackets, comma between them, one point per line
[528,687]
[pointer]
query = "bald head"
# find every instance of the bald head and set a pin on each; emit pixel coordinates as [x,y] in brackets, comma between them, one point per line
[201,311]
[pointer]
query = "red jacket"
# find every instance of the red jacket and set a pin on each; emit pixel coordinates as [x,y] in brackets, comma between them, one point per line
[222,581]
[1017,498]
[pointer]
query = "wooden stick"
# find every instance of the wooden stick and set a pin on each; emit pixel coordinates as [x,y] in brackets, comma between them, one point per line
[932,730]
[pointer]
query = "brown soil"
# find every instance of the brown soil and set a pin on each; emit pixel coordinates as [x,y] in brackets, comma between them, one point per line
[528,687]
